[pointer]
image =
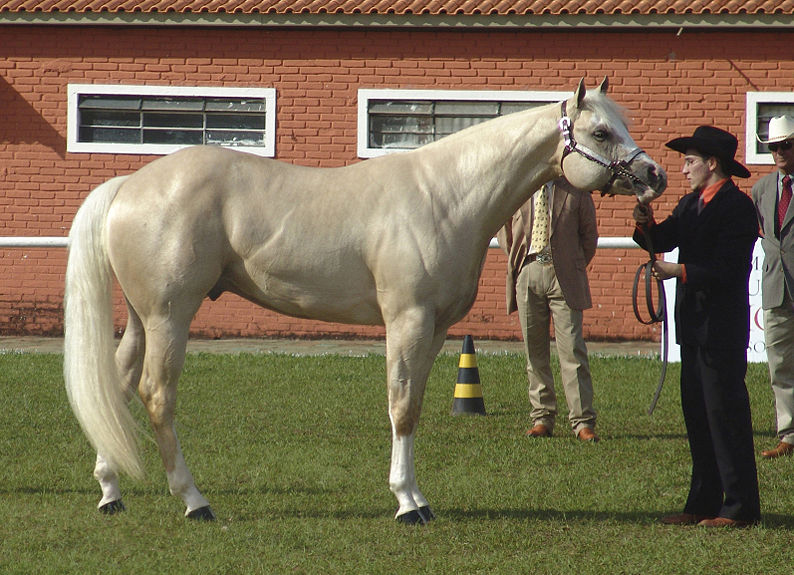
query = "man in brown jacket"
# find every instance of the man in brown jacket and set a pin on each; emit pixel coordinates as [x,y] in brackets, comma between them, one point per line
[549,243]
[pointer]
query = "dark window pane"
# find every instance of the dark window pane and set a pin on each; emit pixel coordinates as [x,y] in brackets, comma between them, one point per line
[110,135]
[157,120]
[180,137]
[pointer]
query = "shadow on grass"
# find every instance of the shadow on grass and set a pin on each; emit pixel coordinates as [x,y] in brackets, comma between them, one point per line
[774,521]
[777,521]
[766,434]
[645,436]
[46,491]
[640,517]
[455,515]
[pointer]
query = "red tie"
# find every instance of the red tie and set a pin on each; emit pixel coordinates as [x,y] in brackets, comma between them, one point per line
[785,200]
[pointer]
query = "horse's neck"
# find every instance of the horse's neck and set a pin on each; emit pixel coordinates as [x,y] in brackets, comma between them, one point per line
[494,170]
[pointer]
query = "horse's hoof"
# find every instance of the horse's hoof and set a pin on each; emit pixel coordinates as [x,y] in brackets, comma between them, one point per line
[112,508]
[416,517]
[202,514]
[427,513]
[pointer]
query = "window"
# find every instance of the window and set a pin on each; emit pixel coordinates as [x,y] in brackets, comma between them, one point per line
[762,107]
[395,120]
[161,119]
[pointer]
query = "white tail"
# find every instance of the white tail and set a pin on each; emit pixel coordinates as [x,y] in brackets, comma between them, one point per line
[92,379]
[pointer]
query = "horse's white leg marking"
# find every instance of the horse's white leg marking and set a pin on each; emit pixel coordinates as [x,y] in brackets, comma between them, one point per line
[411,349]
[129,359]
[402,476]
[164,357]
[108,481]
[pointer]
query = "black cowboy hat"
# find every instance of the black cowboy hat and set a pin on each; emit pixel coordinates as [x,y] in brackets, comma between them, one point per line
[712,141]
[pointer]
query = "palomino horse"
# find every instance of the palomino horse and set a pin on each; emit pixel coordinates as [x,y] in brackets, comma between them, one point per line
[397,241]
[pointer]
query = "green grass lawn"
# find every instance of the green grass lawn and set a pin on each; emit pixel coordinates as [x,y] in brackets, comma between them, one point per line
[293,454]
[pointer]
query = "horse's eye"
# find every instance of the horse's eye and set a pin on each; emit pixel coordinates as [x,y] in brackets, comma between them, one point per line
[600,135]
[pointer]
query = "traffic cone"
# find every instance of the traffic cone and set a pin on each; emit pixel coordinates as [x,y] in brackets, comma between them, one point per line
[468,391]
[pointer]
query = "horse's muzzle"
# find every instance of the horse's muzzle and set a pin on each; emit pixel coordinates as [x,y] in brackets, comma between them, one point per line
[656,180]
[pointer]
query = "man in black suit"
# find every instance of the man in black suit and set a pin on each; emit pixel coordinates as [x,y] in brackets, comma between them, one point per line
[714,228]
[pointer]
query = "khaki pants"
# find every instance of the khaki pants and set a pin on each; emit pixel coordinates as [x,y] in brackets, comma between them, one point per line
[540,301]
[779,337]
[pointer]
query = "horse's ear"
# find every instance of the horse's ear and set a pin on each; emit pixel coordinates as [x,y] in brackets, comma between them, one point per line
[604,85]
[581,92]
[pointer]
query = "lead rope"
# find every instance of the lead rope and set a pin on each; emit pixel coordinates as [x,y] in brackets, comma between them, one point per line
[656,314]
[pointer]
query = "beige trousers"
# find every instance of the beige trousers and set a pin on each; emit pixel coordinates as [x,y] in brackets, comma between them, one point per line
[540,301]
[779,337]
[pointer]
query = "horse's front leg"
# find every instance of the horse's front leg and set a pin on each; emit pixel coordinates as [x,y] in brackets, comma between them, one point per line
[409,356]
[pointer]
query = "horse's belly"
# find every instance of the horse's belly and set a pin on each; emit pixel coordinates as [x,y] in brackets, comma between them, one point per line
[331,309]
[315,296]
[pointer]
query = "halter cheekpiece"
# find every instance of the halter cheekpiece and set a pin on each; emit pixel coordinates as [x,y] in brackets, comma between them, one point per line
[619,168]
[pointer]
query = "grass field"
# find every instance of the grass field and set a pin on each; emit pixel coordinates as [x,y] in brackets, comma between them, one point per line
[293,454]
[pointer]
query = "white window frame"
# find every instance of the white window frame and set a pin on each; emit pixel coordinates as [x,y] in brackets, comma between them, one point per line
[367,94]
[753,99]
[73,116]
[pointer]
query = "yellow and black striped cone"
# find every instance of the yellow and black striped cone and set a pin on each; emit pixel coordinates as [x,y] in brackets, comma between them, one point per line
[468,391]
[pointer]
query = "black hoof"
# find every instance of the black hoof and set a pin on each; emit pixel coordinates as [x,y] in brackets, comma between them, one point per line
[202,514]
[427,512]
[416,517]
[112,508]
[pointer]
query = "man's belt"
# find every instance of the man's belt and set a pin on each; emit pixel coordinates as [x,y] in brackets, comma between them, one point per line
[543,257]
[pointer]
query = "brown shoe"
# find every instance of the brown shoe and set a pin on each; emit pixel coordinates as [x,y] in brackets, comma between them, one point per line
[684,519]
[725,522]
[587,434]
[782,448]
[539,430]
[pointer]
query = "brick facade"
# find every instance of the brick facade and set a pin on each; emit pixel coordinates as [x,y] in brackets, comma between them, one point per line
[669,82]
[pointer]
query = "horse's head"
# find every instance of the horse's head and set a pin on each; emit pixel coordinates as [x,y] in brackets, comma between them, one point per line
[600,154]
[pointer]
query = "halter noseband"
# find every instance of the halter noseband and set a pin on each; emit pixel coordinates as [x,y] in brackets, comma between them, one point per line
[619,168]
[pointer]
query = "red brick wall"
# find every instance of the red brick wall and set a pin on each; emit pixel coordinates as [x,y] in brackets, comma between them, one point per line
[670,83]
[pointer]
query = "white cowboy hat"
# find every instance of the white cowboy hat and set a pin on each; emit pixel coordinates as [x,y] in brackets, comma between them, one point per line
[780,128]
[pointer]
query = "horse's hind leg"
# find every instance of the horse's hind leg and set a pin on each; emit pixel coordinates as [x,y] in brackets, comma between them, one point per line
[166,343]
[109,483]
[129,361]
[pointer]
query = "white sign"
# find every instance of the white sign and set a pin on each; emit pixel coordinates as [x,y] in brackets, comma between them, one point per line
[756,349]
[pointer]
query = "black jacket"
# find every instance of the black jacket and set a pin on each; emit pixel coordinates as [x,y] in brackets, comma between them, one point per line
[712,308]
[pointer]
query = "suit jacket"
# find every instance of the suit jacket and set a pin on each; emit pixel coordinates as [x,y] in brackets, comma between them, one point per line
[574,235]
[778,244]
[712,307]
